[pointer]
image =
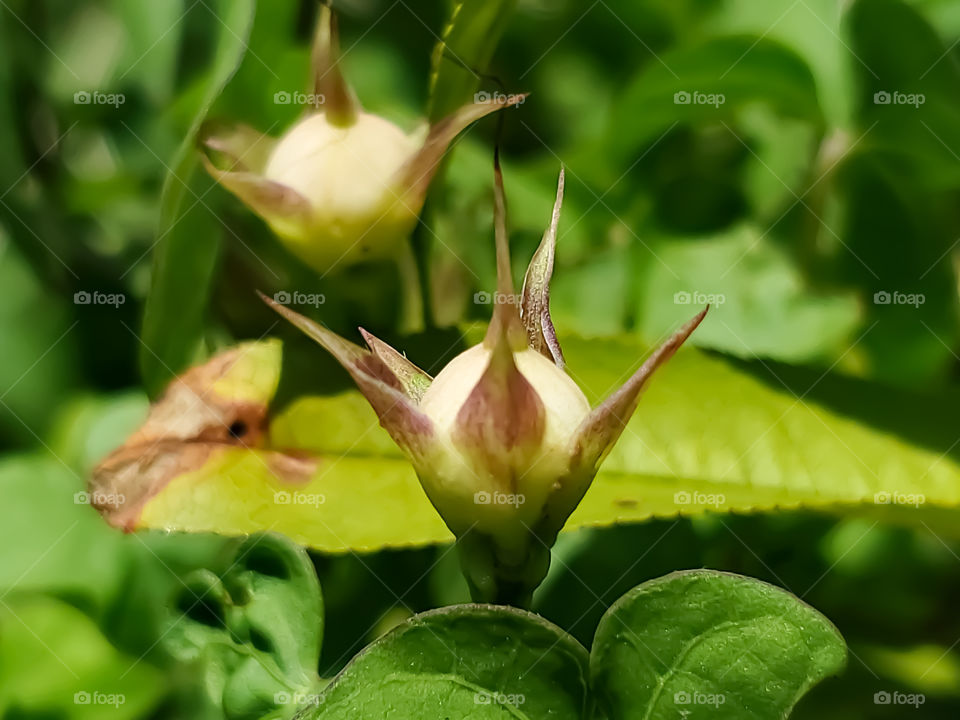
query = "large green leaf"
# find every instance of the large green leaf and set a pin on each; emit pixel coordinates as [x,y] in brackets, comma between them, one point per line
[704,644]
[188,233]
[711,434]
[476,661]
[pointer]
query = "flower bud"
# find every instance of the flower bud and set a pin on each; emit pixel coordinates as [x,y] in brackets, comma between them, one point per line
[342,185]
[504,442]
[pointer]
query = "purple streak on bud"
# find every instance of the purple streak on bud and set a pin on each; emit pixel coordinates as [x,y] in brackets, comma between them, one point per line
[535,304]
[502,422]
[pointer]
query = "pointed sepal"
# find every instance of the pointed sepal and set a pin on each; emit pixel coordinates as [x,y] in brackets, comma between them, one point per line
[535,297]
[243,149]
[285,210]
[398,414]
[340,103]
[413,380]
[505,324]
[602,428]
[416,174]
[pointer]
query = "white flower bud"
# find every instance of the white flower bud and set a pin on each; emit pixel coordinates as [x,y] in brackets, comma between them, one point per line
[342,185]
[468,492]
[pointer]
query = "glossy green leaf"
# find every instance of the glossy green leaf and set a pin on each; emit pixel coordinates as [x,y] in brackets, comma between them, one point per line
[704,644]
[188,234]
[711,435]
[464,51]
[252,628]
[476,661]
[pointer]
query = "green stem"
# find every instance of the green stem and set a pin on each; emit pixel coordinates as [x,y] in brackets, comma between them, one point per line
[491,580]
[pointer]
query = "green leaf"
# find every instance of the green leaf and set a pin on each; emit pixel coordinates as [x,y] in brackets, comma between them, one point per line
[477,661]
[705,644]
[253,627]
[707,83]
[903,57]
[465,50]
[57,664]
[762,305]
[188,233]
[43,522]
[814,30]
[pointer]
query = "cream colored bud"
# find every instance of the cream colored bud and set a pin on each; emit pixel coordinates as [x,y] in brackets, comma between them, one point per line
[492,487]
[341,186]
[348,174]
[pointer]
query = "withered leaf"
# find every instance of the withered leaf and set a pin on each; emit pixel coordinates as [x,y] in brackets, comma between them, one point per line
[221,405]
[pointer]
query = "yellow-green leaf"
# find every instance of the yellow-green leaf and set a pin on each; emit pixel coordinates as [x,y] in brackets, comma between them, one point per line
[711,434]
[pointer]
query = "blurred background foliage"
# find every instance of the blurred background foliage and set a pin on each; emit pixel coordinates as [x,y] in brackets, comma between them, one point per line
[797,199]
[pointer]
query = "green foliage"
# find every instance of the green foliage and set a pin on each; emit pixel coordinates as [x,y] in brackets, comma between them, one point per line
[185,256]
[56,663]
[477,661]
[756,649]
[253,629]
[464,52]
[710,645]
[798,199]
